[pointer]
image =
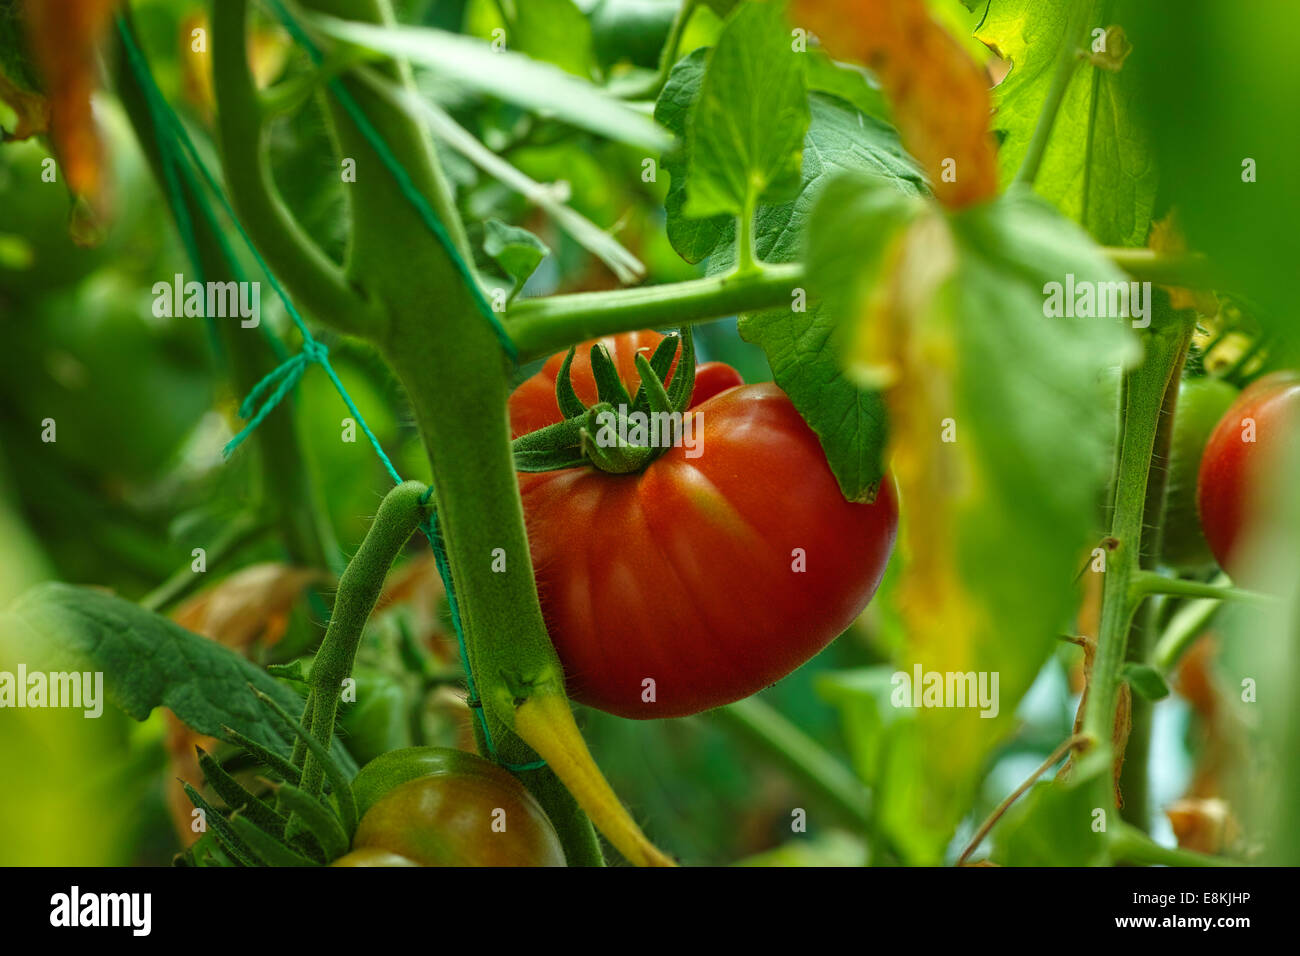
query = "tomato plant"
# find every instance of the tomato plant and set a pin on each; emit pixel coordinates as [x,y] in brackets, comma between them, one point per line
[912,554]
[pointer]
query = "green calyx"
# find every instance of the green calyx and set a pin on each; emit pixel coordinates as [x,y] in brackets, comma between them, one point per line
[621,433]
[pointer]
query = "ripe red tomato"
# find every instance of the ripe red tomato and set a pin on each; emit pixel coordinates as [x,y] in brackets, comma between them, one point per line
[710,576]
[1234,469]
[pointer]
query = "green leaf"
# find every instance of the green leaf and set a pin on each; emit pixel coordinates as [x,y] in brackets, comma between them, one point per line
[949,313]
[554,31]
[515,250]
[509,76]
[1099,168]
[746,131]
[848,81]
[693,239]
[849,422]
[148,661]
[1052,825]
[1248,229]
[1146,681]
[839,138]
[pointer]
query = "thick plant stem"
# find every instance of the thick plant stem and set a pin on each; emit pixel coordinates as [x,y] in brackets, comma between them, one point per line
[1133,778]
[1144,396]
[829,781]
[539,327]
[407,293]
[399,515]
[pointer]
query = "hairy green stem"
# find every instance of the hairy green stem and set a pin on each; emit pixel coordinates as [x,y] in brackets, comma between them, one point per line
[399,515]
[1144,396]
[1067,61]
[1133,777]
[768,731]
[1188,270]
[1150,582]
[1184,628]
[539,327]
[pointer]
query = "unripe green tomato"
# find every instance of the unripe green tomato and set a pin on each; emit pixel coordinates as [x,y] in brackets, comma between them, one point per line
[1201,403]
[463,811]
[379,720]
[373,856]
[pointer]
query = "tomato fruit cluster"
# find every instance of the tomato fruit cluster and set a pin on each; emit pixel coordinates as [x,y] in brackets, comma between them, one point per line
[721,567]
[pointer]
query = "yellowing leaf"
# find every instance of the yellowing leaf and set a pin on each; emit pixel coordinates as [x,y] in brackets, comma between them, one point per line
[63,36]
[940,96]
[997,440]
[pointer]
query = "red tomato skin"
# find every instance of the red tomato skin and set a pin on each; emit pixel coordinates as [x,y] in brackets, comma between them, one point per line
[713,378]
[684,574]
[1231,474]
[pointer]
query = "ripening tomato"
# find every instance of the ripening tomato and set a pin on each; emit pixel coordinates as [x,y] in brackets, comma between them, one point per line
[1241,455]
[461,810]
[729,561]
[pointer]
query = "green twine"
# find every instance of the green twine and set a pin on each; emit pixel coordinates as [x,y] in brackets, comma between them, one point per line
[276,385]
[403,178]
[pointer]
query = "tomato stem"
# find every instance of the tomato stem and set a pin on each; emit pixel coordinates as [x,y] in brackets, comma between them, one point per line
[1144,390]
[1187,624]
[1130,845]
[539,327]
[399,515]
[1146,583]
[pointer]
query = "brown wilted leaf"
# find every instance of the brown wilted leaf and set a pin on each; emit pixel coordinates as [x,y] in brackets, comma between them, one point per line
[63,36]
[180,743]
[940,96]
[251,604]
[1203,825]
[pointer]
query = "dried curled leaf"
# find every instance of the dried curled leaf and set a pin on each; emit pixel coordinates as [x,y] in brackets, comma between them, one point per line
[251,604]
[940,96]
[1203,825]
[63,36]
